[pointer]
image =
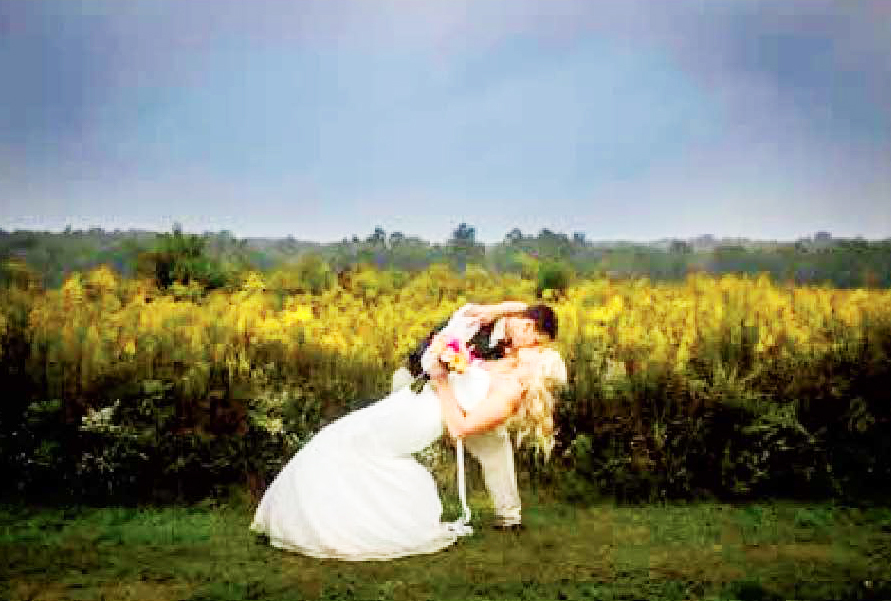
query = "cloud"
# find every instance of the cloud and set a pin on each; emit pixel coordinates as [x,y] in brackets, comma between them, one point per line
[688,115]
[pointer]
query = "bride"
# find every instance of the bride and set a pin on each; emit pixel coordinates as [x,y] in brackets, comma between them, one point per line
[355,492]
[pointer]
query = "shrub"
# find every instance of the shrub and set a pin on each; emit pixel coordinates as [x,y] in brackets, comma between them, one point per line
[553,276]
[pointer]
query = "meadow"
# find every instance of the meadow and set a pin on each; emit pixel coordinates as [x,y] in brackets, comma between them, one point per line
[721,437]
[717,551]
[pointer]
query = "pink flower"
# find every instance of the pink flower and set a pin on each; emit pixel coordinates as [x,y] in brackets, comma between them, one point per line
[454,353]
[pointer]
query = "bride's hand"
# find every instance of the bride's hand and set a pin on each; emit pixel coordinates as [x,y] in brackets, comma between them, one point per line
[476,312]
[513,307]
[438,372]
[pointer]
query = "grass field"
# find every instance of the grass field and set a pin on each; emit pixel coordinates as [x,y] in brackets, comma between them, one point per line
[778,550]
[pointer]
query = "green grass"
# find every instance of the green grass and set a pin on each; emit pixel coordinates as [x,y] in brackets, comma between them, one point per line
[683,551]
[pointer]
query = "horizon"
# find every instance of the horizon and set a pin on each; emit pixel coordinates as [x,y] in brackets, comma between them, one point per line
[636,121]
[409,235]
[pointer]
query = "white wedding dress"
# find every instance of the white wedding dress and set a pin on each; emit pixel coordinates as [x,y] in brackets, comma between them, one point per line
[355,492]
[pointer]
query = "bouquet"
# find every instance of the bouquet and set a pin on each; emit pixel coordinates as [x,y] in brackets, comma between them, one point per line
[452,352]
[449,350]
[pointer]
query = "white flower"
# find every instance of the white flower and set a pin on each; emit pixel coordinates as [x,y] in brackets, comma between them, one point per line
[99,420]
[274,425]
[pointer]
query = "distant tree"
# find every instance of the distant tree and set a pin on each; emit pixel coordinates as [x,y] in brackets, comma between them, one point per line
[730,248]
[857,245]
[179,257]
[513,236]
[679,247]
[378,238]
[464,234]
[411,254]
[463,248]
[396,238]
[553,245]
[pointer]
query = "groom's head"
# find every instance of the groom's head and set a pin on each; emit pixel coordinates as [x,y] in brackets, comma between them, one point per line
[536,325]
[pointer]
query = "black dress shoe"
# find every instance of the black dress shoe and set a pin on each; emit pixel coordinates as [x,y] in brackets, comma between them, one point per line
[505,527]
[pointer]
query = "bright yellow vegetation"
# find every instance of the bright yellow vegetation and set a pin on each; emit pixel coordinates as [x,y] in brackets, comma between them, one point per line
[98,325]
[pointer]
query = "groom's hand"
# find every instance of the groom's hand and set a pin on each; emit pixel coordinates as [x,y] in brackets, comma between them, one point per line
[482,314]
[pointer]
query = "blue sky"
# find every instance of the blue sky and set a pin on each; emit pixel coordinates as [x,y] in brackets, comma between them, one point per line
[628,119]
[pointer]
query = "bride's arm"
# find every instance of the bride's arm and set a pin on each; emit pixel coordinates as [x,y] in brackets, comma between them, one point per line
[490,412]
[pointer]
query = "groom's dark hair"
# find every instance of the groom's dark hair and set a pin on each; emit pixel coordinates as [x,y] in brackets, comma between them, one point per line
[545,319]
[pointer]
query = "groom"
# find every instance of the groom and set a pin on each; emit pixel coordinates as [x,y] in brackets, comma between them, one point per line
[522,326]
[493,449]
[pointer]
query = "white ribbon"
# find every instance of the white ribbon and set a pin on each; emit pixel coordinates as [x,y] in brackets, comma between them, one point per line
[461,526]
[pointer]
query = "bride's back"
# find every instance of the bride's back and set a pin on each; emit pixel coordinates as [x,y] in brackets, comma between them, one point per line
[399,424]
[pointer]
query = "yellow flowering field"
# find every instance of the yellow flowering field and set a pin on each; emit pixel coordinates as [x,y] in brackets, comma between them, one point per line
[98,324]
[807,366]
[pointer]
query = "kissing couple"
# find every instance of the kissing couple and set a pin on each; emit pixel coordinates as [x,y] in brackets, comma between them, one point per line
[355,492]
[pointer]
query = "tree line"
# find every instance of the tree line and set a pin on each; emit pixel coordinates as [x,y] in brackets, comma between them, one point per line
[217,259]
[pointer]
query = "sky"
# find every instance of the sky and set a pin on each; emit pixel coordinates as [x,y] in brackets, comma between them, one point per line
[321,119]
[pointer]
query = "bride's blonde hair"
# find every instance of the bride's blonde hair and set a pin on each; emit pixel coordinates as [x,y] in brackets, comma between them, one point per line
[535,416]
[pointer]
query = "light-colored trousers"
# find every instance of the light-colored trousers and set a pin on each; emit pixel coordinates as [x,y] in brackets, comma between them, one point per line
[496,455]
